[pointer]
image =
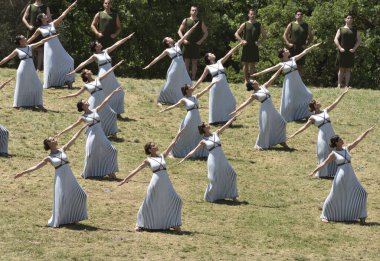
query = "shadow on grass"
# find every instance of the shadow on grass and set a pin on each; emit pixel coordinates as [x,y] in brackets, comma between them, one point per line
[82,227]
[357,223]
[104,179]
[231,202]
[168,231]
[125,119]
[236,126]
[282,149]
[116,139]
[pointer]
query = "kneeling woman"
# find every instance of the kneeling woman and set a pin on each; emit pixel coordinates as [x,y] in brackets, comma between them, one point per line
[101,156]
[161,208]
[69,199]
[347,200]
[222,177]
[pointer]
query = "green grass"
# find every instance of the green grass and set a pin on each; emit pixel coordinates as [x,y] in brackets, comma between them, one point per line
[280,220]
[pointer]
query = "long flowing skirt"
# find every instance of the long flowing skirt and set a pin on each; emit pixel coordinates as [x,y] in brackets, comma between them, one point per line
[190,138]
[347,200]
[28,91]
[161,208]
[101,156]
[272,126]
[4,136]
[109,84]
[57,64]
[295,98]
[221,101]
[222,178]
[176,77]
[323,151]
[69,200]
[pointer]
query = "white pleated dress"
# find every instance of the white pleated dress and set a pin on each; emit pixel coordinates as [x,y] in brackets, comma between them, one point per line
[295,95]
[272,126]
[221,100]
[325,132]
[57,62]
[347,200]
[101,156]
[28,91]
[69,199]
[176,77]
[190,137]
[4,136]
[161,208]
[222,178]
[110,83]
[108,118]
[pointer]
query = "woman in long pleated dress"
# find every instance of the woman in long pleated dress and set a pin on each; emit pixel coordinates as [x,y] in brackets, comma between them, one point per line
[109,83]
[28,91]
[101,155]
[69,199]
[347,200]
[272,126]
[177,75]
[295,95]
[161,208]
[4,133]
[222,177]
[57,62]
[221,100]
[191,137]
[321,119]
[108,119]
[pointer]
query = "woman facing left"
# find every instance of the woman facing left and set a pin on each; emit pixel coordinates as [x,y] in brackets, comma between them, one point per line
[69,199]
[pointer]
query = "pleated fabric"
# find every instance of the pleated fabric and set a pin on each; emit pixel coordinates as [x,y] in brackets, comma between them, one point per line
[272,126]
[190,137]
[4,136]
[101,155]
[222,178]
[176,77]
[57,62]
[28,91]
[110,83]
[295,95]
[69,199]
[347,200]
[108,118]
[221,100]
[325,132]
[162,207]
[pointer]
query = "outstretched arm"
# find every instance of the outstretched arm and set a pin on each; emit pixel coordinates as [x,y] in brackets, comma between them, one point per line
[36,33]
[360,138]
[63,15]
[184,37]
[110,70]
[181,101]
[35,45]
[329,159]
[244,104]
[199,94]
[228,123]
[155,60]
[304,127]
[72,126]
[203,76]
[75,94]
[36,167]
[228,55]
[71,142]
[304,52]
[118,43]
[107,99]
[9,57]
[332,106]
[83,64]
[134,172]
[270,69]
[166,152]
[191,153]
[5,83]
[274,76]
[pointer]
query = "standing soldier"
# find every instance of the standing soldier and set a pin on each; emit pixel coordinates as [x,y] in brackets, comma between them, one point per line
[297,37]
[192,44]
[251,33]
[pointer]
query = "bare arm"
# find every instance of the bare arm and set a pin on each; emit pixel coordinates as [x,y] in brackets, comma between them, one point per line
[155,60]
[134,172]
[184,37]
[166,152]
[83,64]
[71,142]
[94,24]
[181,28]
[180,102]
[286,34]
[110,70]
[75,94]
[36,167]
[304,127]
[238,32]
[203,76]
[5,83]
[25,17]
[48,14]
[35,45]
[199,94]
[358,42]
[63,15]
[333,105]
[336,41]
[359,139]
[205,34]
[228,123]
[228,55]
[244,104]
[307,50]
[329,159]
[274,76]
[107,99]
[191,153]
[118,43]
[9,57]
[72,126]
[36,33]
[118,28]
[270,69]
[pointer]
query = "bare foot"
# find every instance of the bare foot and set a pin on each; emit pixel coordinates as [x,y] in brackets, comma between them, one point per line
[112,176]
[177,230]
[324,220]
[235,199]
[362,221]
[138,229]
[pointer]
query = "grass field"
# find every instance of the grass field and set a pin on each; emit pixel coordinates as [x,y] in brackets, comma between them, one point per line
[278,218]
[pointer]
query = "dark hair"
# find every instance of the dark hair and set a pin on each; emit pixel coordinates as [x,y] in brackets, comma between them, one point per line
[349,14]
[17,39]
[312,105]
[249,86]
[46,144]
[92,46]
[38,19]
[147,148]
[280,52]
[201,128]
[184,89]
[299,11]
[80,106]
[207,60]
[252,10]
[333,140]
[165,43]
[84,76]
